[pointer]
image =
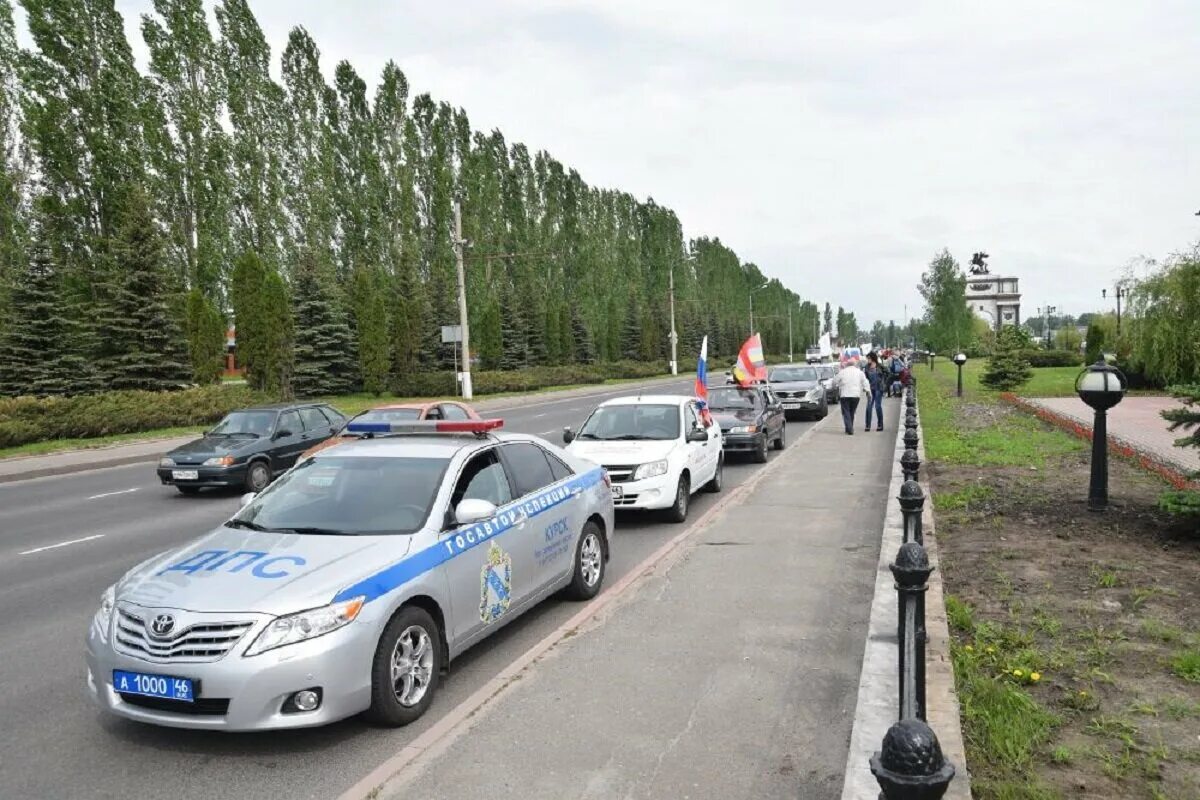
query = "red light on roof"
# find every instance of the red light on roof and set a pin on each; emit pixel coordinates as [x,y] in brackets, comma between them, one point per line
[469,425]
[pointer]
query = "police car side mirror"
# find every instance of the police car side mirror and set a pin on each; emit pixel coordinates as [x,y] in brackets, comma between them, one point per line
[247,499]
[568,435]
[471,511]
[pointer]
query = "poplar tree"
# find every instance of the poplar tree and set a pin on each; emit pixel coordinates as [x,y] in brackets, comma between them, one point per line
[371,324]
[248,288]
[206,338]
[13,163]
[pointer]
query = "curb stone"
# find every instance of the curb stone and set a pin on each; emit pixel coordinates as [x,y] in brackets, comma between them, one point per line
[879,683]
[111,455]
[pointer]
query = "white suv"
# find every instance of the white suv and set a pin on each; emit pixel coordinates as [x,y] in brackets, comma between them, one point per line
[656,450]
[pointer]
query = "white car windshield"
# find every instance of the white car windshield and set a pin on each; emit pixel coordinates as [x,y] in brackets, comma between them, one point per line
[731,398]
[789,374]
[367,496]
[632,422]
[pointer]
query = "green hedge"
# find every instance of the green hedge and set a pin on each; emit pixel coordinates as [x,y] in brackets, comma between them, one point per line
[1052,358]
[32,419]
[437,384]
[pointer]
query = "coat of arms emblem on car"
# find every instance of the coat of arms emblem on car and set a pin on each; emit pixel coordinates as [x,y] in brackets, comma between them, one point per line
[495,584]
[162,625]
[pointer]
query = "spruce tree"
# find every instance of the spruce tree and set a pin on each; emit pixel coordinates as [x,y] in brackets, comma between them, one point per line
[1187,417]
[322,337]
[40,351]
[247,291]
[514,330]
[144,342]
[206,338]
[585,348]
[1007,369]
[631,330]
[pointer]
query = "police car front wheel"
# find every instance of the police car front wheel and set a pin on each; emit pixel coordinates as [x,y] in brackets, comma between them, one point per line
[589,564]
[407,665]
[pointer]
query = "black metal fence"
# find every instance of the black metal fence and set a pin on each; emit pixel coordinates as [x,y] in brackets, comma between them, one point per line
[910,764]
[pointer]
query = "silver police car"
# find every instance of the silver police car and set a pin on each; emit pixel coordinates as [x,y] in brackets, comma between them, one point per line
[350,583]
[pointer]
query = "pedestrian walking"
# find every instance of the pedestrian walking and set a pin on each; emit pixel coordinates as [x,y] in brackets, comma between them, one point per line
[852,386]
[877,379]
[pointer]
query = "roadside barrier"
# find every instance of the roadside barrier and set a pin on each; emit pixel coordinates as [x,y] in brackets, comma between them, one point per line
[909,764]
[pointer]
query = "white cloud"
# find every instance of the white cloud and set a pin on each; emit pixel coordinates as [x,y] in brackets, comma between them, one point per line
[838,146]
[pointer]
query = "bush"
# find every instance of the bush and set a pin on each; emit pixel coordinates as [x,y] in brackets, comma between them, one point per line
[438,384]
[28,419]
[1095,343]
[1052,358]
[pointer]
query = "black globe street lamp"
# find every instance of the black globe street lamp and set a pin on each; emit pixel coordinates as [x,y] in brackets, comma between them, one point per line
[960,359]
[1101,386]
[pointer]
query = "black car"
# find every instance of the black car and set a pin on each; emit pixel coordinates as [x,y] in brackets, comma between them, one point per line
[751,419]
[249,447]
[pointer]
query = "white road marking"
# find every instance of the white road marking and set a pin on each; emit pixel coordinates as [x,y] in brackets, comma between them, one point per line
[538,416]
[61,544]
[110,494]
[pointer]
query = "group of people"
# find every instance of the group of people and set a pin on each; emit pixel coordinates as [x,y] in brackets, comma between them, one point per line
[872,381]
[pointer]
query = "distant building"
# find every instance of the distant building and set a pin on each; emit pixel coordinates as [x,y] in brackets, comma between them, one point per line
[995,299]
[231,366]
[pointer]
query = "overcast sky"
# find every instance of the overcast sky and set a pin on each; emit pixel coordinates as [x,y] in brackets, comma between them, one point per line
[836,145]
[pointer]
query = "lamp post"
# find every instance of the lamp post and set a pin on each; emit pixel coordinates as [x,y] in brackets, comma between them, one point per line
[931,361]
[1101,386]
[960,359]
[1121,292]
[752,291]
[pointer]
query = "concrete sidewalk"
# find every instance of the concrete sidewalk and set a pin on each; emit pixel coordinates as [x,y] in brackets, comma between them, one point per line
[146,450]
[729,671]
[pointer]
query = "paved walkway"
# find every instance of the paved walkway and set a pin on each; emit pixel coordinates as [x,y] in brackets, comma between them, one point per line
[1136,420]
[731,673]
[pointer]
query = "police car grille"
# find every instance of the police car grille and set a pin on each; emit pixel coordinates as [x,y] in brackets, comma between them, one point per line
[206,641]
[621,473]
[201,707]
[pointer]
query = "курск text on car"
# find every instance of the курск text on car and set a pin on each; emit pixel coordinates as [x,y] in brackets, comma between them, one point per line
[350,583]
[656,450]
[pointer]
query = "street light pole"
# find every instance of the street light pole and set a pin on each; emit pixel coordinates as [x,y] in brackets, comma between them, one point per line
[674,335]
[752,291]
[790,356]
[459,242]
[1120,293]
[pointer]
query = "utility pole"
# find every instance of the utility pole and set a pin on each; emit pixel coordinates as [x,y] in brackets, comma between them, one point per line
[674,335]
[459,244]
[751,313]
[790,356]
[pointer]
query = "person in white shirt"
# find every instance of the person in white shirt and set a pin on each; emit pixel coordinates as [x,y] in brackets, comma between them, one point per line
[852,386]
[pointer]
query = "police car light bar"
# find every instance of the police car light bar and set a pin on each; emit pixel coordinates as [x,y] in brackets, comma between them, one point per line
[476,426]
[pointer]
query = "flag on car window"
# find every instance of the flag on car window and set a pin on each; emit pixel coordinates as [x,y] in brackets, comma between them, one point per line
[702,384]
[751,366]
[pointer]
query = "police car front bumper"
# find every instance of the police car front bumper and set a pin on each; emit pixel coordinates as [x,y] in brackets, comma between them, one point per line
[239,693]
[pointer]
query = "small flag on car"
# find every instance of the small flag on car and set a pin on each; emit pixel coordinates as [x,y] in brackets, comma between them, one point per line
[702,384]
[751,366]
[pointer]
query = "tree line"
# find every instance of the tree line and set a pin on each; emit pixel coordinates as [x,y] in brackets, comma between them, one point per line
[140,214]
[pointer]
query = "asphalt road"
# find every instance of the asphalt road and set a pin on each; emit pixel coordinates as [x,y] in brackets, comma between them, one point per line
[64,539]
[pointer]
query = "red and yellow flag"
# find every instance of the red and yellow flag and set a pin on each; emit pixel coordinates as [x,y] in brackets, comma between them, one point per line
[751,366]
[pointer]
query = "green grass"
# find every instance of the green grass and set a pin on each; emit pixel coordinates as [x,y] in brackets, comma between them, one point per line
[1186,664]
[349,404]
[964,498]
[60,445]
[1005,438]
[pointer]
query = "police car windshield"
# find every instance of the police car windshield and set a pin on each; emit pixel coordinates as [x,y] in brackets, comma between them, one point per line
[632,422]
[723,399]
[788,374]
[254,423]
[347,495]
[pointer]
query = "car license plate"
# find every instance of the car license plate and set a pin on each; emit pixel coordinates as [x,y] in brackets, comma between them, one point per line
[185,474]
[618,492]
[161,686]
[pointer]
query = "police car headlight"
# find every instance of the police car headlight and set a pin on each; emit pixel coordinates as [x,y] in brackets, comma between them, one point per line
[219,461]
[103,618]
[165,461]
[744,429]
[306,625]
[651,470]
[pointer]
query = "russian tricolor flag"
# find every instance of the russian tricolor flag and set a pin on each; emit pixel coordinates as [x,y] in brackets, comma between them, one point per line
[702,383]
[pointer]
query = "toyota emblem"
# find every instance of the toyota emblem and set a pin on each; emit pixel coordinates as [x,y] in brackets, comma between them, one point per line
[162,625]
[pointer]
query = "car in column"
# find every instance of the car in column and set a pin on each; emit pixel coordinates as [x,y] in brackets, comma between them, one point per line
[350,584]
[827,373]
[400,412]
[800,391]
[751,419]
[249,447]
[656,450]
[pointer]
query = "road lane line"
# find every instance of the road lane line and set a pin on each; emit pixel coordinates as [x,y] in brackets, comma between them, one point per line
[112,494]
[413,757]
[61,544]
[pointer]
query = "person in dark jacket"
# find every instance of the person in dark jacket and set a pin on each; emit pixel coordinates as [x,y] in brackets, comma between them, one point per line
[878,380]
